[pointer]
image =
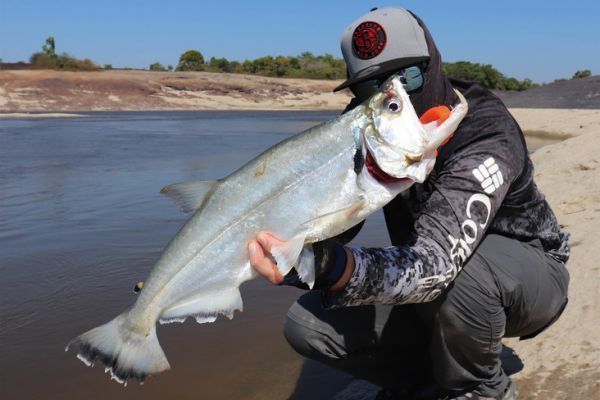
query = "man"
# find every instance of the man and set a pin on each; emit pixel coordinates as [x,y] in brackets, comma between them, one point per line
[477,253]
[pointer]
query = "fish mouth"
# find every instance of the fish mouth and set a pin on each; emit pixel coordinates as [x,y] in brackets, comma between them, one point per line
[380,175]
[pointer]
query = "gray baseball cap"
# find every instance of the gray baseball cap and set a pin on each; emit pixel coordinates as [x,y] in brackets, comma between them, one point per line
[380,42]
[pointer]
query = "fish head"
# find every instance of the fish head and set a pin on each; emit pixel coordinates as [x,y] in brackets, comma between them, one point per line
[400,145]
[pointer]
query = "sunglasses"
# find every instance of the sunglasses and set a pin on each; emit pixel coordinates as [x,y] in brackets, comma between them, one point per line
[411,77]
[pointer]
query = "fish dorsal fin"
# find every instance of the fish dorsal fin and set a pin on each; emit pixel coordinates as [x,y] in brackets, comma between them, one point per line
[189,196]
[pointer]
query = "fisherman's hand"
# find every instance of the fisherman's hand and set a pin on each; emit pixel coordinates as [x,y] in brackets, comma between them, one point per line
[261,259]
[334,264]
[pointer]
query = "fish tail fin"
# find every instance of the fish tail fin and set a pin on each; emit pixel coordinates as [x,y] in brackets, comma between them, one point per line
[125,353]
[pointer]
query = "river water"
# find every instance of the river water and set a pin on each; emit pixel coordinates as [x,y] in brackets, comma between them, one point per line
[82,220]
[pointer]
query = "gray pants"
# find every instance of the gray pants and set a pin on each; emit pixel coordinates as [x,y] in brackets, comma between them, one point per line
[507,288]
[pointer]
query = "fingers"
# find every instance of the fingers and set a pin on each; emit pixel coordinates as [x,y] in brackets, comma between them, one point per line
[261,262]
[267,240]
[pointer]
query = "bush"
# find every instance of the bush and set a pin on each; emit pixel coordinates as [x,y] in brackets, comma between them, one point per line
[108,66]
[157,67]
[218,65]
[70,63]
[582,74]
[43,61]
[191,60]
[485,75]
[49,60]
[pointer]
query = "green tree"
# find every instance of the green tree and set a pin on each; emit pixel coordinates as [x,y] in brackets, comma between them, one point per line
[191,60]
[527,84]
[157,67]
[265,66]
[307,56]
[510,84]
[491,76]
[50,47]
[233,66]
[486,75]
[108,66]
[248,67]
[294,62]
[218,64]
[282,64]
[582,74]
[169,67]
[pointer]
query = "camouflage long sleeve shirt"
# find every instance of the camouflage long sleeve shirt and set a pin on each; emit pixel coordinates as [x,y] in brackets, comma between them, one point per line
[482,183]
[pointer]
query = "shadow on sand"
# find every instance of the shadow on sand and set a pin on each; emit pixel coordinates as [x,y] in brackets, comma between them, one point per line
[320,382]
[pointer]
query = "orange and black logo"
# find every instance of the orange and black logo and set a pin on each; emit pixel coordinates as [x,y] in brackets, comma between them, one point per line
[368,40]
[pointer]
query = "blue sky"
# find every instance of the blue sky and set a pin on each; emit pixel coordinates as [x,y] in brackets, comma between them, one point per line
[541,40]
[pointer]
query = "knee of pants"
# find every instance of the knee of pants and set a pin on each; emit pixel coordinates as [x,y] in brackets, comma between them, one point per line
[310,342]
[473,314]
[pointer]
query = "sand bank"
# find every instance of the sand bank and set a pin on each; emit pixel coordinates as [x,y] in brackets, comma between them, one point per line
[61,91]
[564,361]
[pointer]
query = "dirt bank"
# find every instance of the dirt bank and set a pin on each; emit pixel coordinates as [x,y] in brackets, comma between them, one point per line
[57,91]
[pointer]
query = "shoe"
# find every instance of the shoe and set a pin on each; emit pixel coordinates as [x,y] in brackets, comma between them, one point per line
[418,393]
[510,393]
[387,394]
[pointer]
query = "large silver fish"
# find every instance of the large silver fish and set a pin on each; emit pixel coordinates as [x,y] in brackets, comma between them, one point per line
[307,188]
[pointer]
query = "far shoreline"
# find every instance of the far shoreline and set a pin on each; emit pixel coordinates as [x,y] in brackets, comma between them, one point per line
[34,115]
[543,124]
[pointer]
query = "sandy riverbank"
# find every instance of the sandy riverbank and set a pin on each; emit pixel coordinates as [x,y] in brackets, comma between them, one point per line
[564,362]
[58,91]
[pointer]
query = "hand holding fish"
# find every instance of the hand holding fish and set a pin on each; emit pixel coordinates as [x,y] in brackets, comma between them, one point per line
[260,259]
[331,271]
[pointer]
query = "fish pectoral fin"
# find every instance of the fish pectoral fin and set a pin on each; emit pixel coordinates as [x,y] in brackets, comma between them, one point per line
[205,306]
[286,254]
[189,196]
[306,266]
[293,252]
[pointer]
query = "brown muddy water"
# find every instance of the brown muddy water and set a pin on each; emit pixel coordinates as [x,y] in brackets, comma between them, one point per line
[81,221]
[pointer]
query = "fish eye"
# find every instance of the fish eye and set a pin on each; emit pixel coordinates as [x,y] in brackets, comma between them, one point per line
[394,105]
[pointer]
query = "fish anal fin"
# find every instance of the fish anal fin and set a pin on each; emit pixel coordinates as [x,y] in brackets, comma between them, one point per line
[189,196]
[205,306]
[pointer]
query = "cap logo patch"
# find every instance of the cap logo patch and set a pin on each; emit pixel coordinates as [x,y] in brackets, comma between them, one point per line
[368,40]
